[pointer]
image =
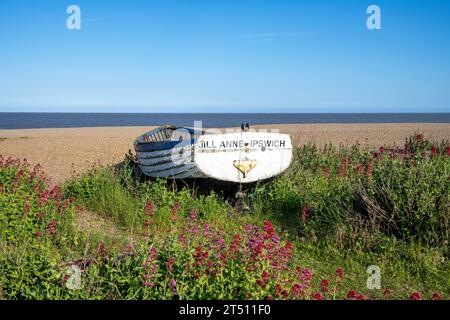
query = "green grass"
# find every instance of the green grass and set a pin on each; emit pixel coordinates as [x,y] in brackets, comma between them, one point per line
[340,207]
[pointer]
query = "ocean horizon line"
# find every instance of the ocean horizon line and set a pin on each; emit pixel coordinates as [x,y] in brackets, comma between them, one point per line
[324,113]
[25,120]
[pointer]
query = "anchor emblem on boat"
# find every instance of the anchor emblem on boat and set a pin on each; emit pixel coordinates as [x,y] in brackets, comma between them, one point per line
[244,166]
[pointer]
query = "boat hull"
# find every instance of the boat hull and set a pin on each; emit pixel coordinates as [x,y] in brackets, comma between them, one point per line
[239,157]
[243,157]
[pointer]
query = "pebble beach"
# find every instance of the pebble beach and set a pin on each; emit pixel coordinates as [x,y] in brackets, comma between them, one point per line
[67,152]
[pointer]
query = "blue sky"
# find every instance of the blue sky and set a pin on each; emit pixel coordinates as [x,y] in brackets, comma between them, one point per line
[224,56]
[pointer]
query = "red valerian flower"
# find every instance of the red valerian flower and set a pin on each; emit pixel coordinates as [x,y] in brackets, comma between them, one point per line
[149,209]
[369,170]
[268,228]
[27,206]
[51,228]
[151,267]
[235,243]
[353,295]
[339,272]
[297,289]
[280,291]
[447,150]
[419,137]
[176,208]
[416,296]
[433,151]
[169,264]
[38,234]
[317,296]
[381,149]
[206,232]
[199,255]
[359,168]
[387,293]
[148,223]
[261,283]
[324,285]
[306,275]
[436,296]
[173,286]
[149,284]
[193,214]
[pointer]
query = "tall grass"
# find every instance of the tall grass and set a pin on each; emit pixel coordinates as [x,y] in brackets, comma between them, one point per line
[333,208]
[348,194]
[117,194]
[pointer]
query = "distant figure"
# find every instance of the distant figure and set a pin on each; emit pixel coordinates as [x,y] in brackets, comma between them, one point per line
[245,127]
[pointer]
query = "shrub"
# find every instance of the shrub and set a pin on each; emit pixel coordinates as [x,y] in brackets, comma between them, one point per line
[348,193]
[34,220]
[30,210]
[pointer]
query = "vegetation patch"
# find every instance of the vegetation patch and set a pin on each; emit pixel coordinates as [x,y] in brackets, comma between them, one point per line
[310,233]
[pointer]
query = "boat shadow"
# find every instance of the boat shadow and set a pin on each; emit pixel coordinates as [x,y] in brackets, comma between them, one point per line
[199,186]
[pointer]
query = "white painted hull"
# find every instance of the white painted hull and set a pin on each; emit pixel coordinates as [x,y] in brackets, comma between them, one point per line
[241,157]
[227,157]
[173,165]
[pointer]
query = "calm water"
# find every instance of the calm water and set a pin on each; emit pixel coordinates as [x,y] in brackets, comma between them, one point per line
[72,120]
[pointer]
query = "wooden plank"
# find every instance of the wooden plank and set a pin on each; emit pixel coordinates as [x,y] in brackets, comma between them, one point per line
[188,169]
[163,166]
[161,145]
[160,160]
[164,153]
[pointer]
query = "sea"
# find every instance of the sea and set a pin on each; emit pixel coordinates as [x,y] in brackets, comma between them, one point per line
[209,120]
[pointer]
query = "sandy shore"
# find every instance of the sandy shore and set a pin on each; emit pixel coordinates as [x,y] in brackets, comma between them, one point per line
[67,152]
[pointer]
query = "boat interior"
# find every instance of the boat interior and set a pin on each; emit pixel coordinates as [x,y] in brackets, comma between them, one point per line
[170,133]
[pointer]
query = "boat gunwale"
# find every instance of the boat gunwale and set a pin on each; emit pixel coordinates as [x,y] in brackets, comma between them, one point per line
[192,132]
[162,145]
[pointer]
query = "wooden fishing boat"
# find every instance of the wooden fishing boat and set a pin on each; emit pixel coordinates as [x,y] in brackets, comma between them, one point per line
[239,157]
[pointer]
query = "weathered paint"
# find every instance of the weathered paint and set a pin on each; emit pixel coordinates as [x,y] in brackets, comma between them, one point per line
[241,157]
[172,172]
[163,153]
[162,145]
